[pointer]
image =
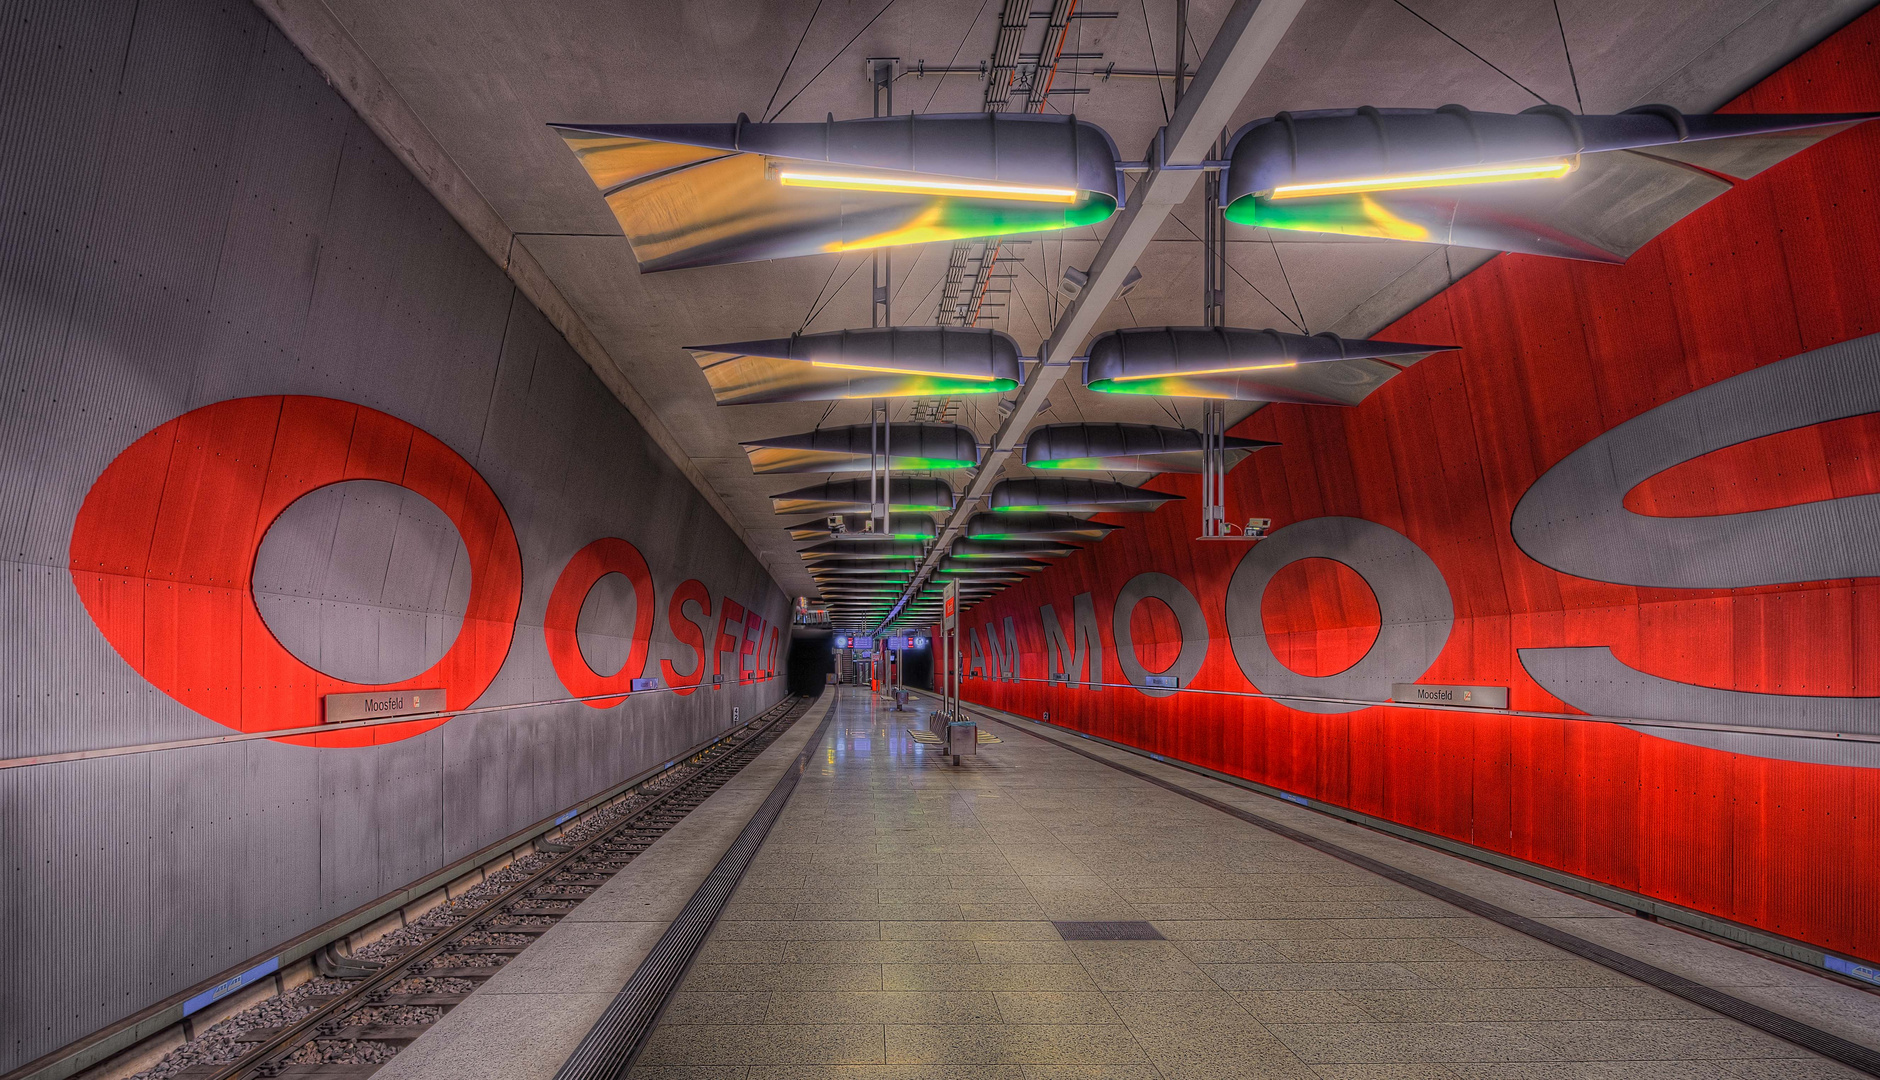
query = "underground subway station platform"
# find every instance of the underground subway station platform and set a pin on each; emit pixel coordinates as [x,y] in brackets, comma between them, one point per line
[940,539]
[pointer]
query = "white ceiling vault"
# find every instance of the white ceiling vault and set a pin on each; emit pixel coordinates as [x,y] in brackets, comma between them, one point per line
[464,91]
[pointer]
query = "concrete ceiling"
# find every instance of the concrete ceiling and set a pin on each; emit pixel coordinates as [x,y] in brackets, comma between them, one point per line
[464,89]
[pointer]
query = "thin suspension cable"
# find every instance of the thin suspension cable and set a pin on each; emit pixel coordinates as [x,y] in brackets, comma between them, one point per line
[970,27]
[1287,278]
[1471,52]
[1230,265]
[833,59]
[1153,62]
[811,312]
[838,292]
[1579,104]
[785,73]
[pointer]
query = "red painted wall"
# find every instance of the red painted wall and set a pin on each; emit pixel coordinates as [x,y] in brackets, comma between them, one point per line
[1552,354]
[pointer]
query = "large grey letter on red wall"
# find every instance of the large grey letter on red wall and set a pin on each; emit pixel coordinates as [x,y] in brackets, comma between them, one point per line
[1059,658]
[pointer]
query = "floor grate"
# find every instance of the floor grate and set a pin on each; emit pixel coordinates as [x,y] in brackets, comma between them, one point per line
[1107,931]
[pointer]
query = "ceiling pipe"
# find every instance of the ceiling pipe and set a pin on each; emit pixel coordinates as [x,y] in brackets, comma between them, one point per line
[1240,51]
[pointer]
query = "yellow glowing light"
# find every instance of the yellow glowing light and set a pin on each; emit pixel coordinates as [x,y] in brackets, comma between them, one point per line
[1492,174]
[919,185]
[1209,371]
[903,371]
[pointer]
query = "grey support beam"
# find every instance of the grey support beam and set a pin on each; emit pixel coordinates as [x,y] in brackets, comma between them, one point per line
[1247,38]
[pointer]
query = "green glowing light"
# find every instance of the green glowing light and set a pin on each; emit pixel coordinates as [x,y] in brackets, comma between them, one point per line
[964,219]
[1162,386]
[936,385]
[1081,463]
[936,463]
[1351,215]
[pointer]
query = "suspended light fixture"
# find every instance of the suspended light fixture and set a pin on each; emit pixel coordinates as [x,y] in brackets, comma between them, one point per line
[1243,365]
[1019,526]
[848,449]
[987,569]
[855,527]
[706,194]
[891,551]
[1065,494]
[1007,549]
[851,497]
[861,568]
[1545,181]
[883,362]
[1125,448]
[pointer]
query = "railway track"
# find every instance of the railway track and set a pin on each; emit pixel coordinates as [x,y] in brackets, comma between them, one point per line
[384,1004]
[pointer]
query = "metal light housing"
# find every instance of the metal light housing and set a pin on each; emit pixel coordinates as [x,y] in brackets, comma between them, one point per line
[1243,365]
[850,449]
[987,568]
[708,194]
[1008,549]
[1545,181]
[851,497]
[1126,448]
[1072,495]
[856,527]
[892,551]
[887,361]
[1012,525]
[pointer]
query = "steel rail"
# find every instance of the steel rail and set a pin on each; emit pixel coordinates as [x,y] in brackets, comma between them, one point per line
[264,1059]
[1240,51]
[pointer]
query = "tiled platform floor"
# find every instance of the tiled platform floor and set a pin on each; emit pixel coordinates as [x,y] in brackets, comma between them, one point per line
[897,925]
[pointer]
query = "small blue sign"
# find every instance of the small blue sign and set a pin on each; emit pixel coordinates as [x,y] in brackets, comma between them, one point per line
[569,816]
[1300,799]
[1863,972]
[1161,682]
[231,984]
[645,684]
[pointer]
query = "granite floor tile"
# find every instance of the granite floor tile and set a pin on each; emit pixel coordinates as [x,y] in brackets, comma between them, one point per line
[756,1044]
[985,977]
[1298,976]
[706,976]
[1141,965]
[1054,1007]
[1302,1006]
[1043,1044]
[882,1007]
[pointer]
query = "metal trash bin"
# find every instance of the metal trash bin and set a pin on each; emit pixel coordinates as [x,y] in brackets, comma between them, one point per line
[962,738]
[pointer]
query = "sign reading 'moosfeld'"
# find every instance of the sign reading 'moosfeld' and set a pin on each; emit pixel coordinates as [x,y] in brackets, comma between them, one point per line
[390,703]
[1480,697]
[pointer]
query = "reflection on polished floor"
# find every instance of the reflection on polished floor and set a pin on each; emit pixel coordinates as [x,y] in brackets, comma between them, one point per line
[899,922]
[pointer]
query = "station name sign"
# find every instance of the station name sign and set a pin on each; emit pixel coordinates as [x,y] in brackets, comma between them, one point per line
[340,707]
[1480,697]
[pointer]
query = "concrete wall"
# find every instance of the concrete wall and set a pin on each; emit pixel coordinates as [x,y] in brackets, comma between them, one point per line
[221,300]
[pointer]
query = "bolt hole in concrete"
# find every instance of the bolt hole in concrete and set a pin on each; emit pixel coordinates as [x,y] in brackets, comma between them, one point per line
[364,581]
[604,629]
[1320,616]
